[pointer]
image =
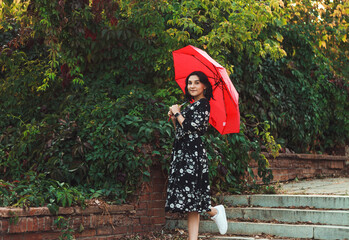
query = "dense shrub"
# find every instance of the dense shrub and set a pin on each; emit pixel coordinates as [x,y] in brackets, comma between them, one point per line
[303,100]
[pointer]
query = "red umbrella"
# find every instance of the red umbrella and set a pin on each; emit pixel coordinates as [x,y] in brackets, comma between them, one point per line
[224,116]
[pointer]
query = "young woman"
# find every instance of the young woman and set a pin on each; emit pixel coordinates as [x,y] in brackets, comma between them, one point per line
[188,188]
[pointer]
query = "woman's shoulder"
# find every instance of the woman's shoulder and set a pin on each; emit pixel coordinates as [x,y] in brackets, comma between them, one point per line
[204,100]
[201,103]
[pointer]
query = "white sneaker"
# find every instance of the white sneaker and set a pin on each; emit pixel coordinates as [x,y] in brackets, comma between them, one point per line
[221,219]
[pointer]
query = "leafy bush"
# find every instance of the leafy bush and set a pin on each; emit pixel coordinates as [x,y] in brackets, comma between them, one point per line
[36,190]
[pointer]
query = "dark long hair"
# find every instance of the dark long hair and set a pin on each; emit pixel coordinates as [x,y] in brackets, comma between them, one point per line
[203,79]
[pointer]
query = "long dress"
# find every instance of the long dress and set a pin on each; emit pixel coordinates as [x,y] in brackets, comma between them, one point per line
[188,182]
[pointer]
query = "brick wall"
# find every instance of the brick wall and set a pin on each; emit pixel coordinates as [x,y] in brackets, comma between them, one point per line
[95,222]
[290,166]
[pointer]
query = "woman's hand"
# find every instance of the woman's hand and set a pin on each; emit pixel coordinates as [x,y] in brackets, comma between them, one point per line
[170,115]
[175,109]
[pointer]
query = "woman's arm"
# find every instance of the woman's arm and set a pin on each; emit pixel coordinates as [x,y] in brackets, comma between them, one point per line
[176,111]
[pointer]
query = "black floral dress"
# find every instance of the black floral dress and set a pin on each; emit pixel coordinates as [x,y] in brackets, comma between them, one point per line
[188,183]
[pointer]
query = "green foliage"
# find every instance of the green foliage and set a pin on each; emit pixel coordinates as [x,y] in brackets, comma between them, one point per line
[127,136]
[66,230]
[38,190]
[298,95]
[85,87]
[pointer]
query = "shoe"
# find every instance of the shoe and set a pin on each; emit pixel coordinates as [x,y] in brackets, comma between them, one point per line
[221,219]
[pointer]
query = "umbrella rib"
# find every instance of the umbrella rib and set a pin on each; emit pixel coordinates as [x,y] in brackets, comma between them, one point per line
[215,74]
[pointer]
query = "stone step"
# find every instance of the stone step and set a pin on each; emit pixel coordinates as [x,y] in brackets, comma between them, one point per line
[328,217]
[229,238]
[284,201]
[280,230]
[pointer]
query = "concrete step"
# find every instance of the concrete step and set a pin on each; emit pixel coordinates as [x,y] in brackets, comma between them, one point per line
[284,201]
[328,217]
[229,238]
[281,230]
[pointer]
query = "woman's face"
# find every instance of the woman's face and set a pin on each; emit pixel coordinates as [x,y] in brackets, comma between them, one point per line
[195,87]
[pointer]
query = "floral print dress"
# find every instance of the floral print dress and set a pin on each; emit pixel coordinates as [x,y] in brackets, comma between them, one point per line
[188,183]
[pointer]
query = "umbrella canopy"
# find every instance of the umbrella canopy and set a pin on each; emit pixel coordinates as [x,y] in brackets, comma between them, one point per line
[225,115]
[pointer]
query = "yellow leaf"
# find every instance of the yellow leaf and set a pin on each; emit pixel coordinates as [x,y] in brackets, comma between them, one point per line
[344,38]
[322,44]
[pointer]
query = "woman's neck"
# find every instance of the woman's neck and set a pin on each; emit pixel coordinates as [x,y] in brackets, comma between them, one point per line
[198,98]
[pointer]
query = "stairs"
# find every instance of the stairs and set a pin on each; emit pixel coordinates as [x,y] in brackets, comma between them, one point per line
[285,216]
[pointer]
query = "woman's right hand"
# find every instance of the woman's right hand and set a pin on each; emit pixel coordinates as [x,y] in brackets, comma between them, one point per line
[170,115]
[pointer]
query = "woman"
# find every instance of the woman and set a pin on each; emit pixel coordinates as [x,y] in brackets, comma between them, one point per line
[188,184]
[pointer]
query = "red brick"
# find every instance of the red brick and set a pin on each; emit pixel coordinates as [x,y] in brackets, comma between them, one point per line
[85,220]
[157,227]
[126,220]
[10,212]
[159,188]
[86,233]
[142,212]
[4,225]
[93,221]
[118,219]
[50,236]
[159,180]
[158,196]
[108,238]
[39,211]
[89,210]
[48,223]
[106,230]
[120,208]
[13,237]
[156,172]
[150,212]
[120,230]
[135,220]
[144,220]
[337,165]
[158,220]
[66,211]
[20,227]
[159,212]
[31,225]
[157,204]
[108,219]
[32,236]
[144,197]
[142,205]
[99,220]
[138,228]
[40,224]
[77,221]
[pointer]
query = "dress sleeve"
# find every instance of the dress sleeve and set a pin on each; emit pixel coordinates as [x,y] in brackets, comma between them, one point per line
[197,119]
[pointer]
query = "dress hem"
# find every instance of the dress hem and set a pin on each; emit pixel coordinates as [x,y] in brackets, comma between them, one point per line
[171,210]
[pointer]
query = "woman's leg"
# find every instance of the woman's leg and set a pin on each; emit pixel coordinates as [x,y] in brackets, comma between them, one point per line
[218,215]
[212,212]
[193,225]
